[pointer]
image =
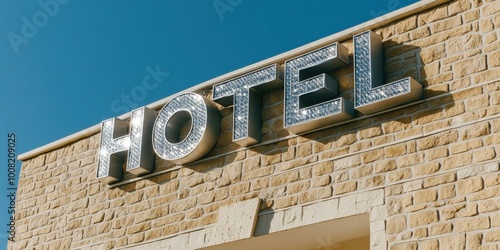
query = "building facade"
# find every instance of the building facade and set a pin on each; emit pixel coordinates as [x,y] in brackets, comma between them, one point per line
[423,174]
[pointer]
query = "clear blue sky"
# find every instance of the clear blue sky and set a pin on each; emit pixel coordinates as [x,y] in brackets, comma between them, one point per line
[65,67]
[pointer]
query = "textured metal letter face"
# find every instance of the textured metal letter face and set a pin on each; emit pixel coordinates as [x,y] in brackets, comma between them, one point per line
[205,126]
[309,93]
[244,92]
[370,93]
[116,142]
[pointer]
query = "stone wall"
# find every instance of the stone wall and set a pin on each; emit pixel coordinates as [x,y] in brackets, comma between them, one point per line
[434,162]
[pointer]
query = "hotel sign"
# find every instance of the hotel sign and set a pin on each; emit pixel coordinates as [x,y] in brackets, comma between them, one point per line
[310,101]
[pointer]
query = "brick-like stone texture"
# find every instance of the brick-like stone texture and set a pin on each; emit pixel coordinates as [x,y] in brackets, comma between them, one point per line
[436,161]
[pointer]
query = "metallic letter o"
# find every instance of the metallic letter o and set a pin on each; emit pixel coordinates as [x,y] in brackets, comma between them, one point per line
[204,131]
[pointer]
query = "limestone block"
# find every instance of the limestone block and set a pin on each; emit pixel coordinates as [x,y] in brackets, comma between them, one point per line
[237,221]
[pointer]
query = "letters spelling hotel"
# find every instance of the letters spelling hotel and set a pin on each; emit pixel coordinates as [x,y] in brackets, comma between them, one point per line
[382,136]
